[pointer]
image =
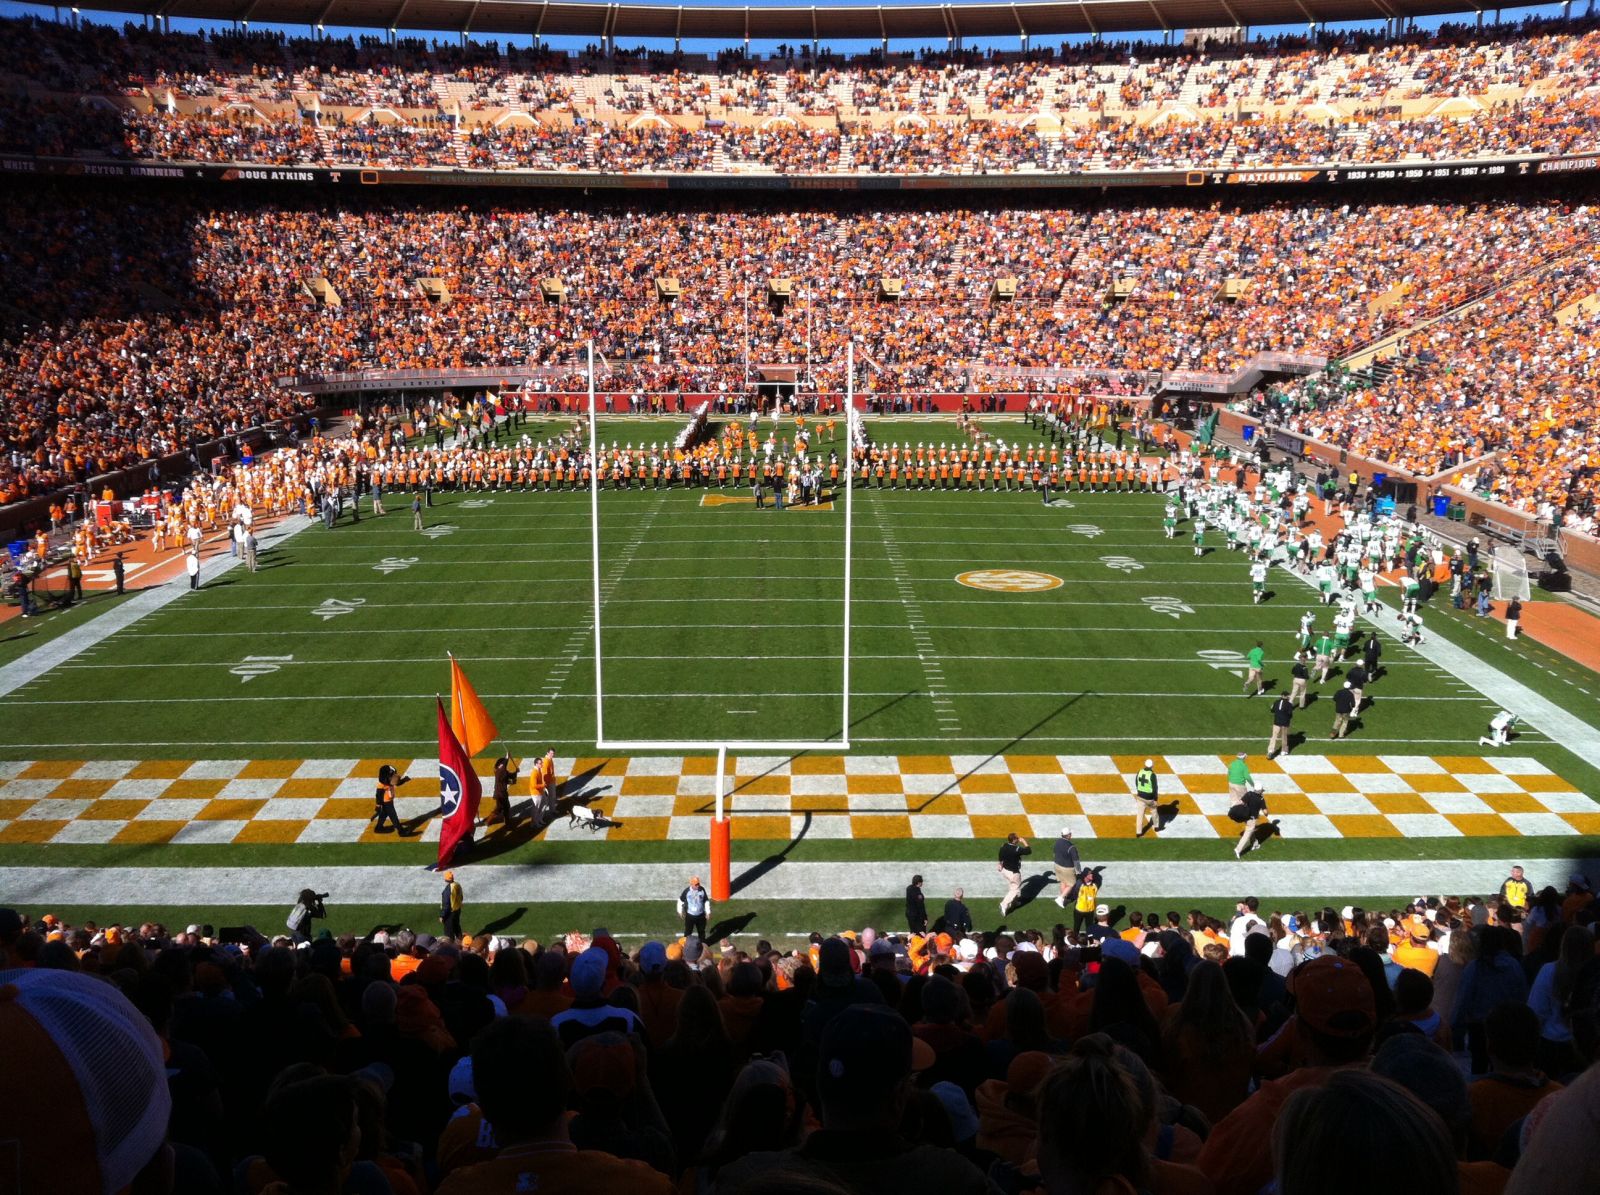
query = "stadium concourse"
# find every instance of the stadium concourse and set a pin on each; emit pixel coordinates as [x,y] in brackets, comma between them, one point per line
[1178,816]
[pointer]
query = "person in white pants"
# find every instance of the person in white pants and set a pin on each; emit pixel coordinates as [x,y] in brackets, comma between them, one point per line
[1500,728]
[1513,617]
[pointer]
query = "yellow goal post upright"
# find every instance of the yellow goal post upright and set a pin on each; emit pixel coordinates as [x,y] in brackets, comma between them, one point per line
[721,829]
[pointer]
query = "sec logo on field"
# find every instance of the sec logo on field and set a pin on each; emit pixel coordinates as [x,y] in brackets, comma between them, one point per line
[449,790]
[1009,580]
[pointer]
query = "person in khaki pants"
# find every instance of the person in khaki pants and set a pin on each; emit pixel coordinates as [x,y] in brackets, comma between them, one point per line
[1010,866]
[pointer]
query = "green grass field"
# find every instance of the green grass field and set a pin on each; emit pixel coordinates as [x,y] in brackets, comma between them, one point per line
[724,623]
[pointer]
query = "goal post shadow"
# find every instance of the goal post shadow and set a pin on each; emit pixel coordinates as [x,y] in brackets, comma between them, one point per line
[721,828]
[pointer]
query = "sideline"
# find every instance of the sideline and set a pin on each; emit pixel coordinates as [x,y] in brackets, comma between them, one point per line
[26,669]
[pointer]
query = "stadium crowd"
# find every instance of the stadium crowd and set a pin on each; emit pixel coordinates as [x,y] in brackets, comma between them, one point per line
[1524,88]
[134,346]
[1157,1051]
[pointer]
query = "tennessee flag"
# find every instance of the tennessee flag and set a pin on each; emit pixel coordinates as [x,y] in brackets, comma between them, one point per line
[459,790]
[468,719]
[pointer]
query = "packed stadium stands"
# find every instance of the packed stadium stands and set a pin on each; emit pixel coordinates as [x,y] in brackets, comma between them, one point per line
[1154,1051]
[1456,93]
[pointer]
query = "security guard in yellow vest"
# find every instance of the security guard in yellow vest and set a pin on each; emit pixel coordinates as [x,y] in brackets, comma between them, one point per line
[1515,890]
[1145,797]
[1088,897]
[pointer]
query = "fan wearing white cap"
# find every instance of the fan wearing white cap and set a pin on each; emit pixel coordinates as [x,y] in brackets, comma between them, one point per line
[1146,795]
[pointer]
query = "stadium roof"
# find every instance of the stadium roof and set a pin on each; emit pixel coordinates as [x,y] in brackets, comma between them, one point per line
[797,23]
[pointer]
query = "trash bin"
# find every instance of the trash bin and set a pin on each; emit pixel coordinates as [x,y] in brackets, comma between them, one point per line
[1249,433]
[1441,506]
[1379,480]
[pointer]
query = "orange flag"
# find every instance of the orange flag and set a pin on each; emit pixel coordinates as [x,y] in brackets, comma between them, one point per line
[470,721]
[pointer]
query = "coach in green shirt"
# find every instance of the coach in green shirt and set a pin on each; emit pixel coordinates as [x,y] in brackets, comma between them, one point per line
[1239,778]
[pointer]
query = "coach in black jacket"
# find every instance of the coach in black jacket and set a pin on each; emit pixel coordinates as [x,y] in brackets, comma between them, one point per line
[916,907]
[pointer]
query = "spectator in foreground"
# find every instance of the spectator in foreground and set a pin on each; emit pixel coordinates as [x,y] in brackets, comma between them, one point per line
[864,1082]
[1314,1141]
[520,1072]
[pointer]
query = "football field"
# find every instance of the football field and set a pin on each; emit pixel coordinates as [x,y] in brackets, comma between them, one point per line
[1012,663]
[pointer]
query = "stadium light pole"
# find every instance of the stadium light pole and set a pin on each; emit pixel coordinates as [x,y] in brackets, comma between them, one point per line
[594,542]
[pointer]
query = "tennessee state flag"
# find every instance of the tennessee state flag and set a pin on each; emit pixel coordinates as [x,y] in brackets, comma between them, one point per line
[459,790]
[473,726]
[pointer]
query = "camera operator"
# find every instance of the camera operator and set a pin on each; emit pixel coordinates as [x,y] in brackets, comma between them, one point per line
[306,909]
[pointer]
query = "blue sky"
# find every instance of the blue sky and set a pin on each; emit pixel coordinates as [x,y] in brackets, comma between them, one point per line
[10,8]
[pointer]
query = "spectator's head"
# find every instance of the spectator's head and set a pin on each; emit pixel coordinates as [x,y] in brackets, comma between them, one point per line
[1312,1141]
[1092,1122]
[1413,993]
[96,1065]
[1335,1006]
[521,1076]
[760,1113]
[864,1069]
[312,1132]
[1511,1033]
[604,1072]
[1429,1073]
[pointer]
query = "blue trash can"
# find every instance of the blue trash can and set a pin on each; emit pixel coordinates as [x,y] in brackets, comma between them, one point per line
[1441,506]
[1249,433]
[1379,480]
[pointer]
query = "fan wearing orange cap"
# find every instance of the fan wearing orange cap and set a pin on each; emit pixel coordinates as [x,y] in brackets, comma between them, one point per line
[1335,1016]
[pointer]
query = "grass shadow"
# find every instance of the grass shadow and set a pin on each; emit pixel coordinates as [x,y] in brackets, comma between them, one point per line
[1000,751]
[771,863]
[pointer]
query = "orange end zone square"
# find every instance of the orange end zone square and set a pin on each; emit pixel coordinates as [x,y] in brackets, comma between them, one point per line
[1321,784]
[1512,802]
[1130,764]
[1111,826]
[756,786]
[816,765]
[31,832]
[642,829]
[346,807]
[1434,784]
[1108,785]
[649,786]
[819,804]
[81,790]
[50,769]
[879,825]
[269,769]
[159,769]
[148,833]
[874,785]
[762,827]
[1058,804]
[231,809]
[1260,763]
[15,807]
[692,806]
[945,802]
[114,810]
[194,790]
[984,783]
[1583,823]
[308,790]
[922,765]
[1047,765]
[1399,803]
[270,832]
[1365,825]
[1225,826]
[1360,765]
[1482,825]
[1468,765]
[1208,784]
[1545,784]
[693,765]
[996,826]
[1290,803]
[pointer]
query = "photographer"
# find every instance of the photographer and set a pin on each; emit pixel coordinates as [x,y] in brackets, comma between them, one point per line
[307,909]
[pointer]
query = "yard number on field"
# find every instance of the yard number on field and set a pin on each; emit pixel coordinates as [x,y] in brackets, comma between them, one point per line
[1225,660]
[253,666]
[1085,529]
[439,530]
[477,503]
[334,607]
[1174,607]
[394,564]
[1123,564]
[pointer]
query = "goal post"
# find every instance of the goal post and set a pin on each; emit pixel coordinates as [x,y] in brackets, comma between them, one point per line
[720,861]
